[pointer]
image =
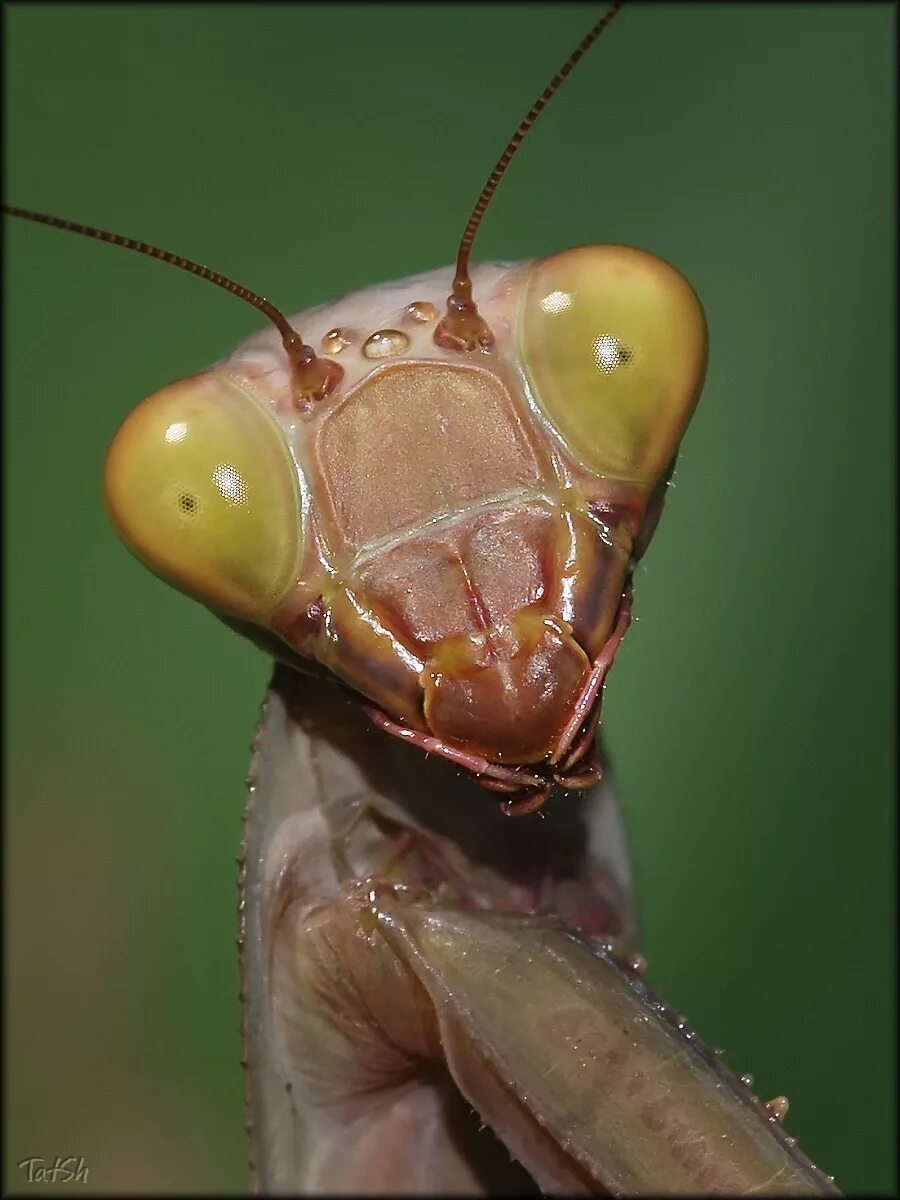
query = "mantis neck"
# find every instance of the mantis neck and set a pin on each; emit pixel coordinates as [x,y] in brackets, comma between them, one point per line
[396,814]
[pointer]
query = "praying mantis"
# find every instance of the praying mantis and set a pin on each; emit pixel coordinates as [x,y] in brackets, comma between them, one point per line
[73,365]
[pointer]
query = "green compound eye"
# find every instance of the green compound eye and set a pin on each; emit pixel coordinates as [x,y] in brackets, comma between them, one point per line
[614,344]
[201,487]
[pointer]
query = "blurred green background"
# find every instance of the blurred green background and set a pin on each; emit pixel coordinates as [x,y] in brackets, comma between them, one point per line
[311,150]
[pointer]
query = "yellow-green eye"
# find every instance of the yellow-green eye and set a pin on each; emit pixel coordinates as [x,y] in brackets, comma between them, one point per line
[614,343]
[202,488]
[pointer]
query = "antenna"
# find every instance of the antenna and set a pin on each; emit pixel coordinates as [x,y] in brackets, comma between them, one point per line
[463,327]
[312,378]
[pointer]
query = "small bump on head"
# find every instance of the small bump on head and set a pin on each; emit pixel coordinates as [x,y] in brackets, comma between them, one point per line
[385,343]
[422,311]
[337,339]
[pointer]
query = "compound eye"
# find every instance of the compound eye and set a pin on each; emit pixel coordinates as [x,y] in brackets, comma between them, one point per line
[202,488]
[614,344]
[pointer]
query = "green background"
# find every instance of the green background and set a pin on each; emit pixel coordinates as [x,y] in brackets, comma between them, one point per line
[308,151]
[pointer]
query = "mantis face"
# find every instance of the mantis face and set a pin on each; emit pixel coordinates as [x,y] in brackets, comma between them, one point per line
[451,535]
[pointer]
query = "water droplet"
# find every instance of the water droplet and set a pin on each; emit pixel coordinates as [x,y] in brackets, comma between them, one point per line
[385,343]
[638,964]
[335,340]
[790,1141]
[747,1080]
[422,310]
[718,1051]
[777,1108]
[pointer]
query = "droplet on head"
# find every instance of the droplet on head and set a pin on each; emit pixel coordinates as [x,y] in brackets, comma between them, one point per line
[747,1080]
[637,964]
[385,343]
[336,339]
[422,311]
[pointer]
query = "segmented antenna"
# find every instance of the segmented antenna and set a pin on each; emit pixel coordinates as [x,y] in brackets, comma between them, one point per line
[463,328]
[312,377]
